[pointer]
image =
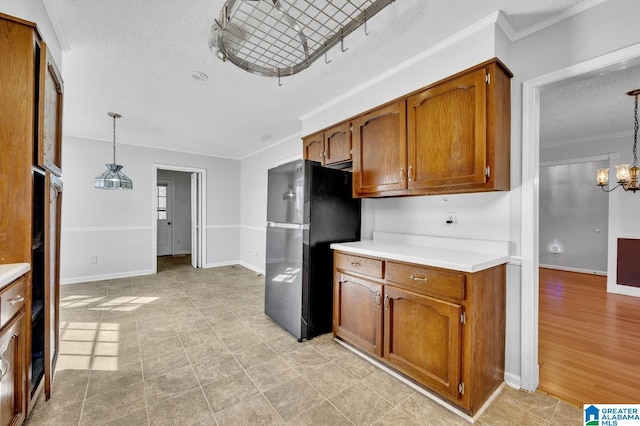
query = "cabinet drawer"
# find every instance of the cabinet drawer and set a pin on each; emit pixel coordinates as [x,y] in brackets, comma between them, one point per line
[361,265]
[427,280]
[12,299]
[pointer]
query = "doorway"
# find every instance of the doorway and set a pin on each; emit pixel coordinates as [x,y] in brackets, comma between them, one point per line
[179,214]
[165,194]
[531,90]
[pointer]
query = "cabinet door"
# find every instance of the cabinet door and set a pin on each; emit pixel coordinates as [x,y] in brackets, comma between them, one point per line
[380,150]
[337,144]
[447,133]
[423,338]
[52,278]
[313,147]
[50,146]
[12,377]
[357,314]
[19,50]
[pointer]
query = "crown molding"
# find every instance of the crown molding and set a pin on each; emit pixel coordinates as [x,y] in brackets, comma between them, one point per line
[594,138]
[449,41]
[565,14]
[52,13]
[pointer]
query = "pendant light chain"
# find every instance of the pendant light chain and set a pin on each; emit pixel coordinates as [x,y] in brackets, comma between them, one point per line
[114,134]
[635,133]
[113,178]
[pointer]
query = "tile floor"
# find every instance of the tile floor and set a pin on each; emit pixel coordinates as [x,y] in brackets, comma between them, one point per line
[193,347]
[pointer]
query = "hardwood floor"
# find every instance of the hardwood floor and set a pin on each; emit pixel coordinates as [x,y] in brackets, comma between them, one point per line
[589,340]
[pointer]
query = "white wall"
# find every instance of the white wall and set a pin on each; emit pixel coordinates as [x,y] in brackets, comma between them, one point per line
[622,206]
[181,213]
[253,190]
[117,226]
[574,218]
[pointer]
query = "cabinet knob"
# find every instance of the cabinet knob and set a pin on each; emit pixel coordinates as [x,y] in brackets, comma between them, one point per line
[401,174]
[386,302]
[410,173]
[423,279]
[18,299]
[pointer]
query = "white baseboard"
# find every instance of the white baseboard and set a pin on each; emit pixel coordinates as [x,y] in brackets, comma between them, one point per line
[253,268]
[235,262]
[570,269]
[512,380]
[76,280]
[181,252]
[219,264]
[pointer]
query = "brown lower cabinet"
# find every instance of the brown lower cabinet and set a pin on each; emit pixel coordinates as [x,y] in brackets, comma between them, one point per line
[442,329]
[358,314]
[431,357]
[12,352]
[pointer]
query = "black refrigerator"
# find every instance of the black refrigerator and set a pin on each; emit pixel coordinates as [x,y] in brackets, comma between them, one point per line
[308,208]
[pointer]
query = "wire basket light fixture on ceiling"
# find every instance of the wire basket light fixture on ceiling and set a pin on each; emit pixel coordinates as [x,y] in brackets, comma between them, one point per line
[277,38]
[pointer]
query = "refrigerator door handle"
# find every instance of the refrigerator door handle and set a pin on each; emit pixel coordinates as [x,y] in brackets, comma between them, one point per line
[287,225]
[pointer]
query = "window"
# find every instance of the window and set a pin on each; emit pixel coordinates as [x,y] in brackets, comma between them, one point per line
[162,201]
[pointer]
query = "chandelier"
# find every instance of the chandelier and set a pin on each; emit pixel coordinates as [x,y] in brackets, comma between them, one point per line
[113,178]
[627,176]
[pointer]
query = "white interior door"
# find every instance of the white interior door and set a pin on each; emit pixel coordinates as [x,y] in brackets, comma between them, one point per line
[196,216]
[164,195]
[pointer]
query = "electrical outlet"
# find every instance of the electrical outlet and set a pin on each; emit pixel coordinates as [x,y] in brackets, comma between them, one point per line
[450,218]
[93,259]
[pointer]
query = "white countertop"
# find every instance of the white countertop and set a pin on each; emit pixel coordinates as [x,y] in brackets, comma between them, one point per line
[449,253]
[11,271]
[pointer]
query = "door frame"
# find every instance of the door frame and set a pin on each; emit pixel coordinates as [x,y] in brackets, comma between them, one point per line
[616,60]
[170,205]
[201,226]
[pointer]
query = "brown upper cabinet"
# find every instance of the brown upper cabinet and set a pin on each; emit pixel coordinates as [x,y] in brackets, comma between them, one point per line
[458,133]
[380,151]
[313,147]
[446,129]
[50,117]
[331,146]
[450,137]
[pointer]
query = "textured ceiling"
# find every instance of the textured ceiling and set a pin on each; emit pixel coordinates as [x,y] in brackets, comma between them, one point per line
[136,58]
[589,109]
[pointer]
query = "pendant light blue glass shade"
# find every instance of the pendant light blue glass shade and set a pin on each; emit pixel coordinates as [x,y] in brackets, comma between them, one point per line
[113,178]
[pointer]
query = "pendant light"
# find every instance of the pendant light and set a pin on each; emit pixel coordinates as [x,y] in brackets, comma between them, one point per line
[627,176]
[113,178]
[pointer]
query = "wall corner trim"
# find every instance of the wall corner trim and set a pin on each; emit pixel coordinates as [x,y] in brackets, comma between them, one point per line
[512,380]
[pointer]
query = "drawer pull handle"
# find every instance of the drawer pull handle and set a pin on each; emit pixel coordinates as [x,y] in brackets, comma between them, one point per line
[378,298]
[423,279]
[386,302]
[18,299]
[355,264]
[4,368]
